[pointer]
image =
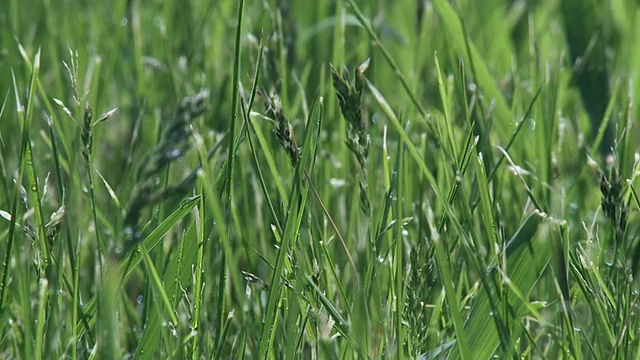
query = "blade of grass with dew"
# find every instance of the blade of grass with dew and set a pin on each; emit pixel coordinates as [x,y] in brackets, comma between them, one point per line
[5,183]
[158,233]
[603,134]
[118,11]
[448,120]
[234,105]
[246,114]
[43,95]
[33,192]
[154,330]
[331,222]
[487,216]
[454,28]
[269,156]
[292,224]
[42,305]
[261,178]
[13,223]
[625,147]
[442,262]
[25,160]
[561,271]
[203,232]
[516,131]
[198,286]
[158,286]
[342,326]
[108,314]
[398,257]
[392,185]
[231,153]
[582,273]
[525,251]
[332,267]
[128,263]
[385,53]
[308,156]
[77,312]
[214,205]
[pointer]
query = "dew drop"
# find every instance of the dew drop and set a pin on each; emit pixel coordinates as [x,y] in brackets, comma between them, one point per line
[609,257]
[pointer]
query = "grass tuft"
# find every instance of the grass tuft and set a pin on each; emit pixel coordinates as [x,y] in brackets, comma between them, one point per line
[485,204]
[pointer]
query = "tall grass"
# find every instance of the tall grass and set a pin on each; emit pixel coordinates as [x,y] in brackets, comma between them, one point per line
[330,179]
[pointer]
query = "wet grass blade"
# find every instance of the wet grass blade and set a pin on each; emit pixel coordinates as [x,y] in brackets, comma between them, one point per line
[527,257]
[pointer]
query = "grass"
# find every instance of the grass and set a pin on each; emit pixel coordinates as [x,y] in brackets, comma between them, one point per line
[333,179]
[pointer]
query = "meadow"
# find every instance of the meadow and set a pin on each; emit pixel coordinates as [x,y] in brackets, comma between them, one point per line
[342,179]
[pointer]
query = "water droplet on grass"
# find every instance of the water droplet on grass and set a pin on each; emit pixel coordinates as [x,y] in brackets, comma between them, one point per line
[609,257]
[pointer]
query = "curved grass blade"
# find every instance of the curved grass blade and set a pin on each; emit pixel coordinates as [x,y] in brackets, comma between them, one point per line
[128,264]
[454,27]
[526,253]
[299,195]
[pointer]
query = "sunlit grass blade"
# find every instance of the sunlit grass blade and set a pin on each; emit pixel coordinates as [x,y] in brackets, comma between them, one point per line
[366,24]
[107,316]
[454,28]
[295,212]
[527,257]
[442,262]
[42,305]
[129,263]
[175,276]
[159,287]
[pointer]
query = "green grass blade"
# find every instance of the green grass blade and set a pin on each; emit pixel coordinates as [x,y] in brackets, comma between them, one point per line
[42,306]
[158,286]
[526,253]
[129,263]
[199,279]
[454,28]
[291,227]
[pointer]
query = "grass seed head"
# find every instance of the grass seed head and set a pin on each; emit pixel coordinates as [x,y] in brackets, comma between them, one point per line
[613,204]
[174,144]
[283,130]
[349,93]
[86,132]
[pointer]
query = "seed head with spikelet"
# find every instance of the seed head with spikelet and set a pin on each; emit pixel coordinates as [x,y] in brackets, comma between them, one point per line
[283,130]
[349,94]
[613,204]
[421,290]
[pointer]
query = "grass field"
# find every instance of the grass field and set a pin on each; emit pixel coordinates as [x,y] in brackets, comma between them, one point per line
[338,179]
